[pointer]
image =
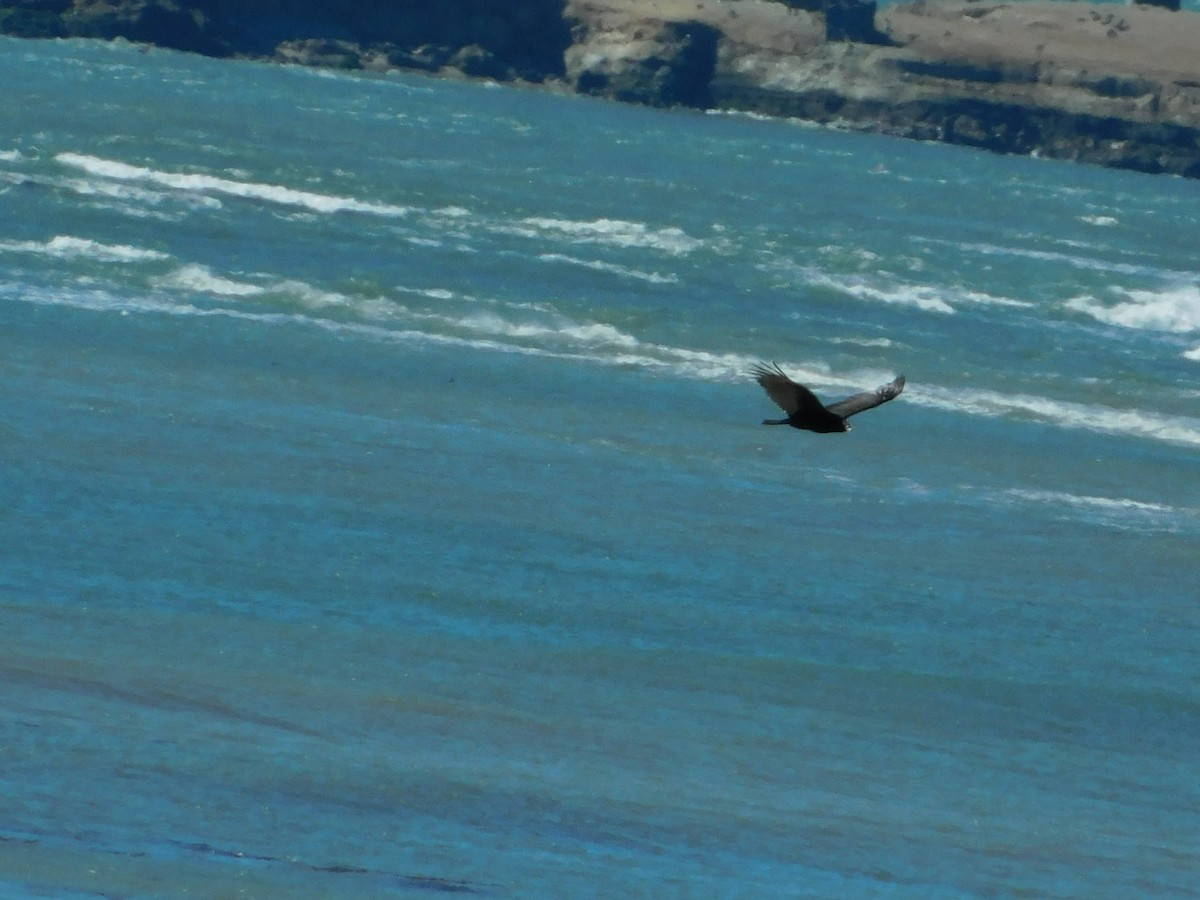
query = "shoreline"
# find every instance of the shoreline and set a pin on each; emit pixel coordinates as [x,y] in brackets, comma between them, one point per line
[1111,85]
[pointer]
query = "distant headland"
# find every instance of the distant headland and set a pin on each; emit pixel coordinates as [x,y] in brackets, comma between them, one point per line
[1099,83]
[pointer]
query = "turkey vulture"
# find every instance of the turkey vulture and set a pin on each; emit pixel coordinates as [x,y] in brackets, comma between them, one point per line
[807,412]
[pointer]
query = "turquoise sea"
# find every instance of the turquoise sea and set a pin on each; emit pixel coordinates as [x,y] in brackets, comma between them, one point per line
[385,509]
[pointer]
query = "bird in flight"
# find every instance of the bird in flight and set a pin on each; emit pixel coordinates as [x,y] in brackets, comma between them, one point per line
[805,411]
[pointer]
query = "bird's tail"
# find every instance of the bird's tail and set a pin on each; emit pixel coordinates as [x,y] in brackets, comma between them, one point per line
[775,421]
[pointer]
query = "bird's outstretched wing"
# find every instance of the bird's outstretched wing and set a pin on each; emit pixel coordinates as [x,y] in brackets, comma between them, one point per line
[790,396]
[869,400]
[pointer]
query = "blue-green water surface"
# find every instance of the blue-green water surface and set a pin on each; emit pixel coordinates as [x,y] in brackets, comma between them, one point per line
[384,508]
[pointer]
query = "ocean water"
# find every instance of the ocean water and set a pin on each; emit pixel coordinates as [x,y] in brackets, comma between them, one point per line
[384,508]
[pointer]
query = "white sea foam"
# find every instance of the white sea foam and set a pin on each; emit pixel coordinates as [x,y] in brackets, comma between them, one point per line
[864,342]
[1109,503]
[613,268]
[553,334]
[129,199]
[982,298]
[309,296]
[930,298]
[922,297]
[613,232]
[1120,512]
[861,255]
[12,156]
[1175,309]
[201,279]
[1061,413]
[124,305]
[1077,261]
[128,192]
[532,324]
[591,333]
[537,330]
[212,184]
[68,247]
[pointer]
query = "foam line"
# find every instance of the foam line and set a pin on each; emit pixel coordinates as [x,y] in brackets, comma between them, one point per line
[68,247]
[200,184]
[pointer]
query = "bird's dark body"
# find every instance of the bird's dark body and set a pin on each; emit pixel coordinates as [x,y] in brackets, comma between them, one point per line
[821,424]
[808,413]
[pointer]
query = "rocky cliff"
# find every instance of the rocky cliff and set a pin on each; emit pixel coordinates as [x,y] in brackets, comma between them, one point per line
[1118,86]
[1100,83]
[520,39]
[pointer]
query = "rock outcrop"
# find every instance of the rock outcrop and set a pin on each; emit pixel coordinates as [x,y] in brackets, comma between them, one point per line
[1101,83]
[665,64]
[1116,86]
[517,40]
[845,20]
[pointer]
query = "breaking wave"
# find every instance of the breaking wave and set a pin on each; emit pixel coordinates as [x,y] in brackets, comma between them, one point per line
[1175,309]
[212,184]
[444,317]
[1075,260]
[929,298]
[150,188]
[880,343]
[612,268]
[1117,512]
[613,232]
[201,279]
[68,247]
[1061,413]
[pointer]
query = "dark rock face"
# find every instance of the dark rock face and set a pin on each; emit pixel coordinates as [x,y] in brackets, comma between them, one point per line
[162,22]
[523,39]
[476,61]
[34,18]
[852,20]
[845,20]
[676,69]
[1154,148]
[325,52]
